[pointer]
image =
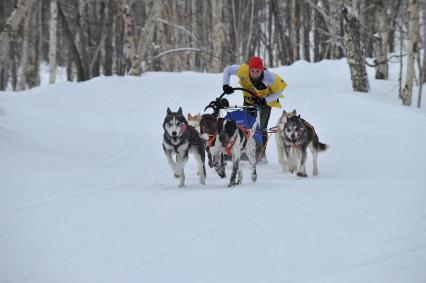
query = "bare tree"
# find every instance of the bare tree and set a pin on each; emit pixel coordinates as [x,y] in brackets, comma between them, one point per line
[29,76]
[412,51]
[355,53]
[10,28]
[53,40]
[382,69]
[218,36]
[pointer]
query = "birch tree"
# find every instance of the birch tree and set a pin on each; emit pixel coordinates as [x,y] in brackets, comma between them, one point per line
[218,36]
[52,40]
[355,53]
[382,69]
[11,27]
[412,50]
[29,75]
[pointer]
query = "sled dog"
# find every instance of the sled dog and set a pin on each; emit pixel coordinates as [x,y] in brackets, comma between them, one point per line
[233,140]
[297,135]
[194,120]
[279,139]
[208,130]
[179,139]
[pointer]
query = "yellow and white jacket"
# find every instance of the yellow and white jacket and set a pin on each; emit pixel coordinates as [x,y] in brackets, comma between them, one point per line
[274,84]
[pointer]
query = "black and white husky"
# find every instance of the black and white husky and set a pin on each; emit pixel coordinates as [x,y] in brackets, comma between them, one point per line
[293,138]
[234,140]
[180,139]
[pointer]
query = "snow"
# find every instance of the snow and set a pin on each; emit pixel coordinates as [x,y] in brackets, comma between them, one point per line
[86,194]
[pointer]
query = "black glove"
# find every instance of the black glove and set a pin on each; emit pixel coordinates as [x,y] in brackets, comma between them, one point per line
[227,89]
[259,101]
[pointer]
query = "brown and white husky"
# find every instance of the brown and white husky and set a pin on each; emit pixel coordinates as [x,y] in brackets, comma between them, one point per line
[194,120]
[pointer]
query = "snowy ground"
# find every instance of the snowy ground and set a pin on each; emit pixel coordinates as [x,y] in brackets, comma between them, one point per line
[86,194]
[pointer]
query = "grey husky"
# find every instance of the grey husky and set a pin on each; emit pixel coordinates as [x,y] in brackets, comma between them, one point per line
[179,139]
[295,135]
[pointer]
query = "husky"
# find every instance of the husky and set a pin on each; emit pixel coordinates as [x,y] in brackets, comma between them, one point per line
[208,130]
[279,139]
[180,138]
[234,140]
[194,120]
[298,135]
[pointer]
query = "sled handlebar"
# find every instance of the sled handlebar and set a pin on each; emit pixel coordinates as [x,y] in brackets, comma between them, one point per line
[246,90]
[215,103]
[239,107]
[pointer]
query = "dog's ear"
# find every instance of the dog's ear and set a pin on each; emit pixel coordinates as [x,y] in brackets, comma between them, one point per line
[189,116]
[169,111]
[180,110]
[298,116]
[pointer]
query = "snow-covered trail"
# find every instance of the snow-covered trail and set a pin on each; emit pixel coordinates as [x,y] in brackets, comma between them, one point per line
[86,194]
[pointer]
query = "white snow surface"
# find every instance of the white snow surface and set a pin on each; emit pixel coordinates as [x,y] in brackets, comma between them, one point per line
[86,193]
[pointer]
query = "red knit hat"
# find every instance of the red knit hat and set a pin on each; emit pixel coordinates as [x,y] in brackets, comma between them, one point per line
[256,63]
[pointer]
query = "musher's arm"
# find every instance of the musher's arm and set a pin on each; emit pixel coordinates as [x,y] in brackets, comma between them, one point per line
[275,83]
[231,70]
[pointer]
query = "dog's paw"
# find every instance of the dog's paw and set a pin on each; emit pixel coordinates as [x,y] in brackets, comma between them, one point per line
[177,176]
[231,185]
[301,174]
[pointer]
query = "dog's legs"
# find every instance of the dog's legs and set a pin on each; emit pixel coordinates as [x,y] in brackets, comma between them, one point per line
[201,168]
[291,159]
[235,169]
[302,154]
[172,163]
[282,156]
[240,176]
[181,161]
[209,156]
[253,173]
[314,159]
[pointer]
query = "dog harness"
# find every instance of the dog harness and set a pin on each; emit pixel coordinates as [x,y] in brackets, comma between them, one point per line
[300,132]
[245,132]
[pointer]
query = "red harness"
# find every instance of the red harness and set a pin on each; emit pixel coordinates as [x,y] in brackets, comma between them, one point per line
[228,147]
[211,140]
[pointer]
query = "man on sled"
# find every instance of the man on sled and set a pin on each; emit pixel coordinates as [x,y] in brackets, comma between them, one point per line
[267,86]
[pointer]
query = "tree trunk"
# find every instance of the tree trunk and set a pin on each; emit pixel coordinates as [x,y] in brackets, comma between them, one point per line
[29,61]
[74,56]
[11,27]
[294,31]
[134,68]
[412,50]
[146,36]
[382,69]
[218,36]
[354,53]
[52,40]
[333,29]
